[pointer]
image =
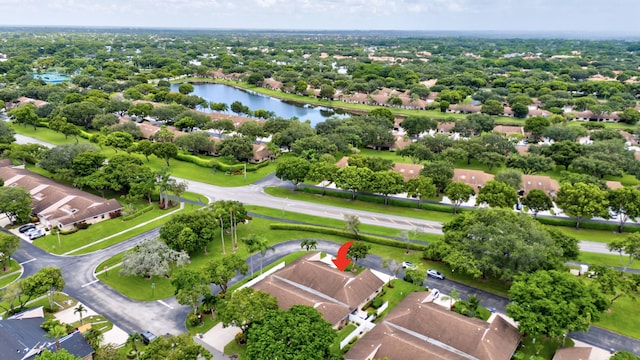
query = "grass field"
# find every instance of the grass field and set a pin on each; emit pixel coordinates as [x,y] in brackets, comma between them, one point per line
[623,318]
[11,274]
[360,205]
[605,260]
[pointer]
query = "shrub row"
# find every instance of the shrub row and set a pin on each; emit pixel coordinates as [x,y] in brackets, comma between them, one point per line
[213,163]
[379,200]
[337,232]
[586,224]
[138,213]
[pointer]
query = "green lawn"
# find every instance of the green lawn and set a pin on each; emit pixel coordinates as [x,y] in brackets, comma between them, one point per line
[543,347]
[342,334]
[233,348]
[339,224]
[623,318]
[11,274]
[98,231]
[97,322]
[605,260]
[603,236]
[46,134]
[360,205]
[395,294]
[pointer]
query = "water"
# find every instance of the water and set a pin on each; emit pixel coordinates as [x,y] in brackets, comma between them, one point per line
[51,77]
[255,101]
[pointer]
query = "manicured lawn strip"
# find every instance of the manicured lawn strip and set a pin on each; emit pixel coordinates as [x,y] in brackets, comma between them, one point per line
[12,266]
[605,260]
[623,318]
[233,348]
[360,205]
[8,278]
[97,322]
[342,334]
[395,294]
[46,134]
[603,236]
[339,224]
[110,262]
[543,348]
[94,232]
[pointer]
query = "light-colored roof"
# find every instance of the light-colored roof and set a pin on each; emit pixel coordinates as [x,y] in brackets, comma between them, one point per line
[509,129]
[473,178]
[408,171]
[573,353]
[614,185]
[544,183]
[416,329]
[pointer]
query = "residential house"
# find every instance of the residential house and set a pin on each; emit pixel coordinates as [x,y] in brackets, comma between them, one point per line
[59,205]
[23,100]
[573,353]
[400,142]
[261,152]
[614,185]
[544,183]
[417,329]
[408,171]
[23,338]
[332,292]
[509,130]
[474,178]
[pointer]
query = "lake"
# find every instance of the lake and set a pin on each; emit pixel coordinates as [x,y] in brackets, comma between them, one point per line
[228,94]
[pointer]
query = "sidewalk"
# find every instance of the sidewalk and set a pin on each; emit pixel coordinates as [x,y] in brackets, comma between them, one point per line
[125,231]
[218,337]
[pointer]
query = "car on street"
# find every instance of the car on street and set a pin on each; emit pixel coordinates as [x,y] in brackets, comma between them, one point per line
[24,228]
[409,265]
[147,337]
[435,274]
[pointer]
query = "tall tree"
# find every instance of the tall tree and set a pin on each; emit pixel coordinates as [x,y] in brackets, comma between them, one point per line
[222,270]
[309,244]
[293,169]
[15,203]
[359,250]
[626,203]
[9,243]
[582,201]
[238,147]
[323,172]
[352,224]
[79,310]
[152,257]
[537,200]
[244,307]
[458,193]
[189,287]
[387,183]
[615,284]
[421,187]
[497,194]
[165,150]
[353,179]
[531,164]
[629,247]
[299,332]
[25,115]
[440,172]
[574,307]
[257,244]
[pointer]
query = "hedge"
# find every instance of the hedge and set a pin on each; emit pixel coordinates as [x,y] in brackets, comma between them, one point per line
[138,213]
[213,163]
[380,200]
[586,224]
[337,232]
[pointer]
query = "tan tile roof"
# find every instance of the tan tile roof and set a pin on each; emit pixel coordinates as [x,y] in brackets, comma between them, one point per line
[343,163]
[545,183]
[23,100]
[273,83]
[473,178]
[261,152]
[573,353]
[55,202]
[332,292]
[509,129]
[445,126]
[401,142]
[614,185]
[408,171]
[419,330]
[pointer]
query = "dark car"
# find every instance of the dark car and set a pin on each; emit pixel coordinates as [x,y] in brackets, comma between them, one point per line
[147,337]
[24,228]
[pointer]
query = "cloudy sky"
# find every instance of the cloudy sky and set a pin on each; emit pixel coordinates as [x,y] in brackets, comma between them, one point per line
[593,16]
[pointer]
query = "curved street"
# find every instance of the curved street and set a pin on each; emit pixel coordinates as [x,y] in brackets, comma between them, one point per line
[167,316]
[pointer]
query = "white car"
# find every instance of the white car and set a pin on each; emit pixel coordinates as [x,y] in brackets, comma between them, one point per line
[435,274]
[409,265]
[35,233]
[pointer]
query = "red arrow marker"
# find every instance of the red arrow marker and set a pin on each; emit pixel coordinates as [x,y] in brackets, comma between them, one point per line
[342,261]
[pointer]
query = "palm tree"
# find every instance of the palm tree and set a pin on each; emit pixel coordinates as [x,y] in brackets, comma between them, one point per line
[472,305]
[94,337]
[79,310]
[133,339]
[453,296]
[309,244]
[56,332]
[256,243]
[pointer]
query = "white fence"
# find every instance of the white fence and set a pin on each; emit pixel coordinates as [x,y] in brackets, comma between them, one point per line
[383,308]
[264,275]
[363,326]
